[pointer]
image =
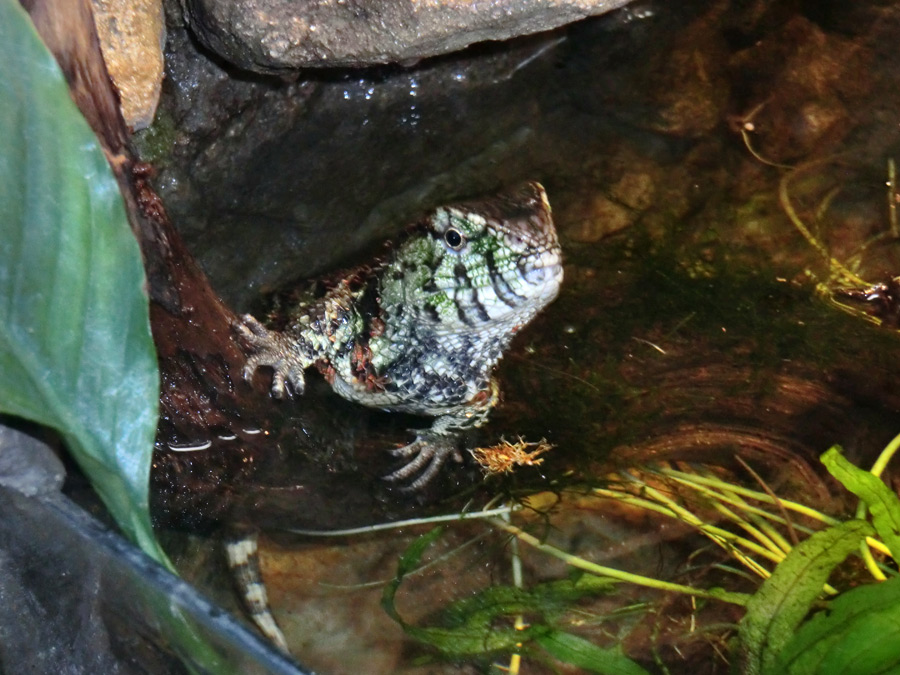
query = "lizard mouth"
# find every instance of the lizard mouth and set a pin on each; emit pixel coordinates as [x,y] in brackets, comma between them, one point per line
[542,268]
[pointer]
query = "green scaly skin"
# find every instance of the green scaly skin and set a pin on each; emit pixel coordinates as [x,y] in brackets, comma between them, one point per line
[421,330]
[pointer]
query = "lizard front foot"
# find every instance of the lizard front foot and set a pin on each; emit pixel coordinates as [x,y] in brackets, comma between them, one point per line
[270,348]
[427,455]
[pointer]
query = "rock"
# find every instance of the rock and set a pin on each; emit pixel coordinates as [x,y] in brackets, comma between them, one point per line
[132,36]
[601,218]
[275,35]
[805,82]
[269,179]
[28,465]
[635,190]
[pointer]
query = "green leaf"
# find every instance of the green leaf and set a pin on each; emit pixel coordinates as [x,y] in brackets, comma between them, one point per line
[858,633]
[464,637]
[775,611]
[547,599]
[882,502]
[471,624]
[75,347]
[579,652]
[408,562]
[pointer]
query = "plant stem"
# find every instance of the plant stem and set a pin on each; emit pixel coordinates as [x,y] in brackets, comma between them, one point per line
[580,563]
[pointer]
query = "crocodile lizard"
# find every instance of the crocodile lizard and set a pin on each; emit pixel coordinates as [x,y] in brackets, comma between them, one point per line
[419,331]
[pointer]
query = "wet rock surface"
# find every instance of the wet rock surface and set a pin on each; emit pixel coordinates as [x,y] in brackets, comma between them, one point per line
[274,35]
[369,151]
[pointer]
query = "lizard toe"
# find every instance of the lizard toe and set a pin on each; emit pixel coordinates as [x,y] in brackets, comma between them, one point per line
[427,455]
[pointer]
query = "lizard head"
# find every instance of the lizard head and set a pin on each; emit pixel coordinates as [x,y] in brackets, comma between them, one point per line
[479,265]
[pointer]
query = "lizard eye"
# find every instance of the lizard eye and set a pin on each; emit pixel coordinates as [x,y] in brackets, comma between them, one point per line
[454,239]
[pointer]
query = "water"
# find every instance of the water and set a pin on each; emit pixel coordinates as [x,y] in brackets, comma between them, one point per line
[696,322]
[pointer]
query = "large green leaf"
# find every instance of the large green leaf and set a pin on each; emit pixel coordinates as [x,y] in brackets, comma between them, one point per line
[775,611]
[75,347]
[882,502]
[858,633]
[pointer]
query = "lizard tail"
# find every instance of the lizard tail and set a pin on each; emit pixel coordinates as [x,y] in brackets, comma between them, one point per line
[242,552]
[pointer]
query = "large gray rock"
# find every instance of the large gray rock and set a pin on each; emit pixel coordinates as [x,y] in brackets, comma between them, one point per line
[274,35]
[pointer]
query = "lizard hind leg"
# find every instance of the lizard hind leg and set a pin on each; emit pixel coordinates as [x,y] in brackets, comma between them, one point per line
[242,554]
[426,455]
[432,447]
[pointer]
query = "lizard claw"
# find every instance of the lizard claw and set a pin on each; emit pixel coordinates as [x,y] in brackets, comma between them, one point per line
[427,455]
[269,350]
